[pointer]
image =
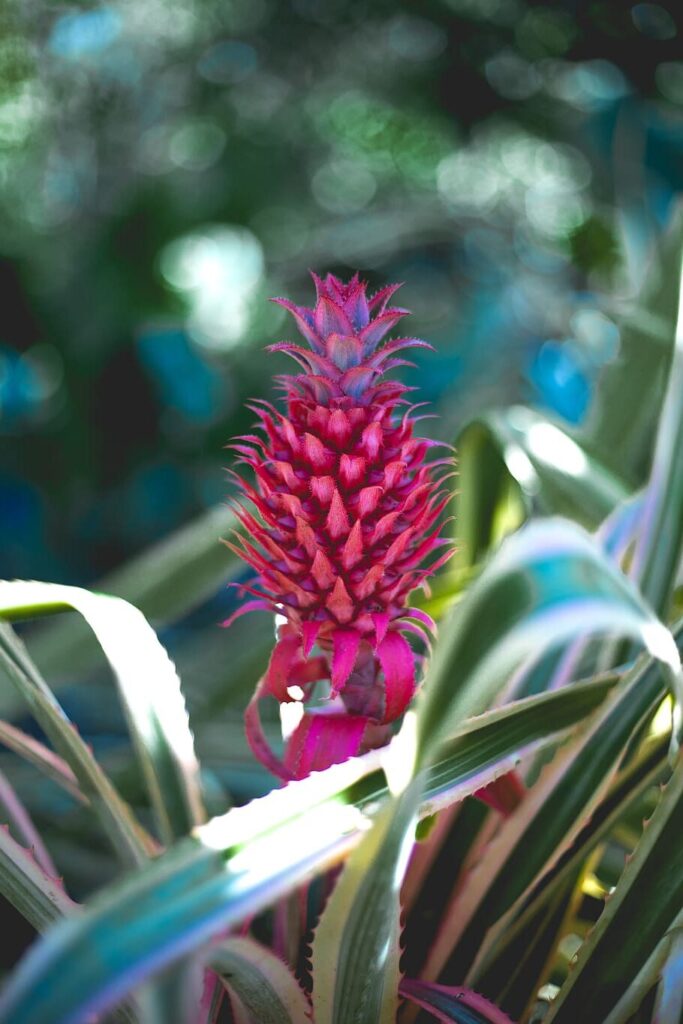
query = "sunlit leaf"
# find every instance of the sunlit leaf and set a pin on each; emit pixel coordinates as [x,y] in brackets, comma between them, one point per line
[149,687]
[516,462]
[356,949]
[165,582]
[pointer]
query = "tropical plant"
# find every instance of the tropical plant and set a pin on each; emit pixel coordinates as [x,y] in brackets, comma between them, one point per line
[384,885]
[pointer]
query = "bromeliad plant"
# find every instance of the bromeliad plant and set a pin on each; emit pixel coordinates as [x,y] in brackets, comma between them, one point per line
[348,511]
[375,888]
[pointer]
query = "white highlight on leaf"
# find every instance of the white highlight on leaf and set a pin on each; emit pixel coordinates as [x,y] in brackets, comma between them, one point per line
[550,444]
[399,757]
[521,467]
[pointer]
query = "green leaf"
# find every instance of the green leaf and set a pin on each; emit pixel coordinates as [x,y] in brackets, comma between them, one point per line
[549,578]
[38,897]
[514,462]
[116,818]
[509,945]
[549,583]
[659,541]
[262,982]
[234,867]
[546,823]
[12,811]
[165,582]
[149,687]
[53,766]
[622,425]
[356,948]
[644,906]
[494,742]
[191,893]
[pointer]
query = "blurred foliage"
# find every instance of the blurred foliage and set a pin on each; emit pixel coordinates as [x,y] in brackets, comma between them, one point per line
[166,166]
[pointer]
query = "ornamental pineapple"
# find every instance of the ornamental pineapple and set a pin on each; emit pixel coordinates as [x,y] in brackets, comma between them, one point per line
[345,512]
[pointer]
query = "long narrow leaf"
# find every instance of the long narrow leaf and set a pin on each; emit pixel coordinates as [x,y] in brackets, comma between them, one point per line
[657,551]
[12,811]
[518,458]
[53,766]
[149,687]
[189,894]
[546,823]
[644,906]
[507,939]
[356,947]
[38,897]
[549,583]
[165,582]
[115,816]
[448,1004]
[264,984]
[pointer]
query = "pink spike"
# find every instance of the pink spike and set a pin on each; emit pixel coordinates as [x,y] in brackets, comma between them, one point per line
[393,472]
[367,585]
[322,572]
[381,622]
[322,488]
[304,322]
[352,552]
[397,547]
[320,286]
[371,440]
[352,469]
[306,536]
[285,653]
[357,380]
[371,335]
[344,351]
[287,473]
[292,504]
[357,305]
[339,602]
[322,740]
[368,499]
[330,318]
[339,427]
[378,302]
[398,665]
[250,606]
[316,453]
[395,346]
[345,644]
[417,613]
[337,521]
[384,526]
[309,631]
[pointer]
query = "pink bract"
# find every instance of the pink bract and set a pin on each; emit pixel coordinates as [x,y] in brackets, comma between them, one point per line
[345,511]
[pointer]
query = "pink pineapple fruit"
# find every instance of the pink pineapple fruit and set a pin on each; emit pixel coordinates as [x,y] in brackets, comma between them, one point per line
[346,512]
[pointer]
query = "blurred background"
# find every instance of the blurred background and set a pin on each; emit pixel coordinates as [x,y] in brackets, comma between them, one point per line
[166,165]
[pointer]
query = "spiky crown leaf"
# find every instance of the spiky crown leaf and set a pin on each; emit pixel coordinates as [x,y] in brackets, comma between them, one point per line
[347,510]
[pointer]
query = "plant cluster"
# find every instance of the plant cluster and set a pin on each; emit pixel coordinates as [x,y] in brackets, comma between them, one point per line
[447,854]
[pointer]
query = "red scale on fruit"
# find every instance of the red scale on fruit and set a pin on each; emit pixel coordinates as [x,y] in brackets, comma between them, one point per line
[346,513]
